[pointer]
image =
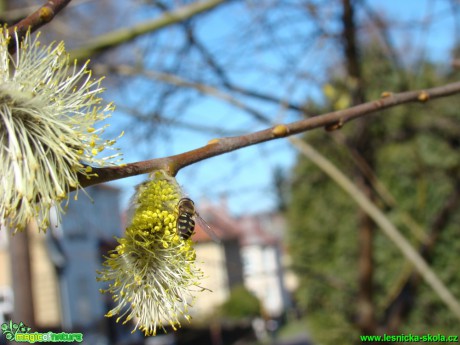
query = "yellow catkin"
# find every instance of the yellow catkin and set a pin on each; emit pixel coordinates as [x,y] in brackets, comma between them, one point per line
[161,264]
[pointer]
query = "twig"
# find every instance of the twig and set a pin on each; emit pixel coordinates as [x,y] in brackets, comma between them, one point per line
[124,35]
[172,79]
[36,20]
[219,146]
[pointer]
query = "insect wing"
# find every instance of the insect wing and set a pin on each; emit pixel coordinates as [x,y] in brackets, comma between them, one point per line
[206,227]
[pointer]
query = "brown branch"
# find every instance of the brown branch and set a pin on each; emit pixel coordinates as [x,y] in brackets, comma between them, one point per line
[219,146]
[36,20]
[365,307]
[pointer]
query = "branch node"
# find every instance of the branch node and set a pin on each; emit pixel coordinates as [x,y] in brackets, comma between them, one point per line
[213,141]
[280,131]
[423,96]
[171,167]
[334,126]
[46,14]
[386,94]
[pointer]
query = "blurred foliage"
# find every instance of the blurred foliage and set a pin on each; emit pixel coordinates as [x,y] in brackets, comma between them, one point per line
[240,305]
[417,159]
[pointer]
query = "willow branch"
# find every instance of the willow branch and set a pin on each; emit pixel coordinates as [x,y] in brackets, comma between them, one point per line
[367,205]
[37,19]
[223,145]
[124,35]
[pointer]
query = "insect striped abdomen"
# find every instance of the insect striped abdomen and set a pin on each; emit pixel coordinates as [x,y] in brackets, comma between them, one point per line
[185,225]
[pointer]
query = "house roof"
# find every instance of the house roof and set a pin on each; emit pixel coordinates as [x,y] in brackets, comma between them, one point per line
[261,229]
[255,230]
[219,221]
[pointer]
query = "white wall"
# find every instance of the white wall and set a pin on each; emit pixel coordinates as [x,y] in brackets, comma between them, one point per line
[262,276]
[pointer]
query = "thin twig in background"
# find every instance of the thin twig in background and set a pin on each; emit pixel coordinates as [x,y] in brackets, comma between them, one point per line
[115,38]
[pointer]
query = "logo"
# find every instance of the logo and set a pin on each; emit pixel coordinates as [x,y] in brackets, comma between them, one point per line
[21,333]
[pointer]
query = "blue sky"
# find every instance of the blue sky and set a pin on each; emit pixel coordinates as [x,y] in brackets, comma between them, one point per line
[245,176]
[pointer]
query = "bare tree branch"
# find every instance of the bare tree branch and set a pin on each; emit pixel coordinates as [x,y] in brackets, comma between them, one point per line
[36,20]
[124,35]
[177,81]
[219,146]
[221,74]
[161,120]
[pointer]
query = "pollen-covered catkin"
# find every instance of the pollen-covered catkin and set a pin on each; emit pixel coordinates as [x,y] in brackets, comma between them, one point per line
[49,108]
[151,273]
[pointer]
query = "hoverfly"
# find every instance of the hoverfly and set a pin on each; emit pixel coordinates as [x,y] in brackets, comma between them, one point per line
[185,223]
